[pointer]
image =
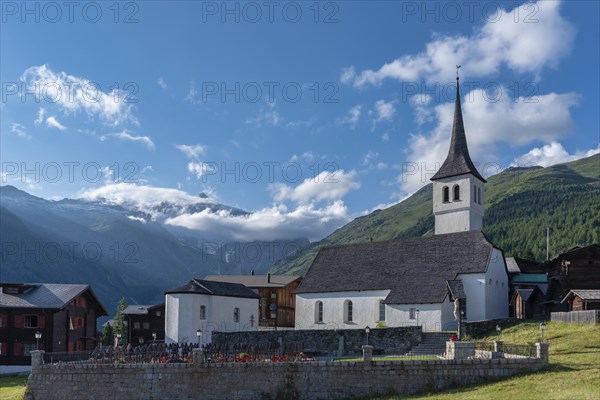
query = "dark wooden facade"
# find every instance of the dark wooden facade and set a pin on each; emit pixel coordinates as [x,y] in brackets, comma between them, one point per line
[145,321]
[578,268]
[67,329]
[278,305]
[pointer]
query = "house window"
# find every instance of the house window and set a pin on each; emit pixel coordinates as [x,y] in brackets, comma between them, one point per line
[474,193]
[202,312]
[236,315]
[141,339]
[146,325]
[445,194]
[274,294]
[136,325]
[381,310]
[158,313]
[31,321]
[348,311]
[28,348]
[479,195]
[319,312]
[412,313]
[456,192]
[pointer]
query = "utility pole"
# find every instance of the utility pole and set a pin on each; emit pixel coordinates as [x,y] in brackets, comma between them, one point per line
[547,244]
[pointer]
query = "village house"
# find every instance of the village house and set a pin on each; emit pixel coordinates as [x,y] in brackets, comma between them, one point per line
[426,281]
[575,269]
[583,299]
[277,306]
[198,308]
[145,323]
[62,316]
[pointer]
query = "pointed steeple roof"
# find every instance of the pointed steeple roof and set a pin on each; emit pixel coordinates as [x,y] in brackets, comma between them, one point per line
[458,161]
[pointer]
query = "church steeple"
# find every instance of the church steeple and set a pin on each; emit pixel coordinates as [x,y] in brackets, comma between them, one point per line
[458,161]
[457,186]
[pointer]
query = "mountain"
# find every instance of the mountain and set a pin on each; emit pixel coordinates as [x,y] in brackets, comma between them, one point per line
[120,250]
[520,204]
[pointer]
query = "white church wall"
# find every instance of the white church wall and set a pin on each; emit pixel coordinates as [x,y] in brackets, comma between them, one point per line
[429,316]
[365,309]
[474,287]
[182,319]
[496,296]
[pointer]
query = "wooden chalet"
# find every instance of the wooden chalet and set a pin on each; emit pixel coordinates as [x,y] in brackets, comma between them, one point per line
[145,323]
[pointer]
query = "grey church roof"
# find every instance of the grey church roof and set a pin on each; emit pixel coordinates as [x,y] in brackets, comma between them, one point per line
[255,281]
[415,270]
[458,161]
[200,286]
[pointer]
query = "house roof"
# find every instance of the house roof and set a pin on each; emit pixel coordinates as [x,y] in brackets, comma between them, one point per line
[458,161]
[255,281]
[584,294]
[200,286]
[137,309]
[530,278]
[415,270]
[456,289]
[45,295]
[525,293]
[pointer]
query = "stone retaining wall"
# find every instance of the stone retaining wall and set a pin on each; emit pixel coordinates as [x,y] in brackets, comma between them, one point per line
[329,341]
[262,381]
[479,328]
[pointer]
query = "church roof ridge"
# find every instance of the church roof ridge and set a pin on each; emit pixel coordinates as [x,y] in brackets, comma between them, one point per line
[458,161]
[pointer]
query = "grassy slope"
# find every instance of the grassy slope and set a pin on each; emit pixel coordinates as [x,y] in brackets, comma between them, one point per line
[574,372]
[520,203]
[12,387]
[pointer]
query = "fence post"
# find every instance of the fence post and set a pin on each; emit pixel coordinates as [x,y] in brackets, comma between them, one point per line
[198,357]
[498,346]
[542,352]
[367,355]
[37,359]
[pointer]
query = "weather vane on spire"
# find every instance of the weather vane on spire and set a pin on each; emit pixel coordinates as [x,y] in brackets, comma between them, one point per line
[457,68]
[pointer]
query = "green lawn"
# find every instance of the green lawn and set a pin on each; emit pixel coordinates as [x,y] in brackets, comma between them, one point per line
[574,372]
[12,387]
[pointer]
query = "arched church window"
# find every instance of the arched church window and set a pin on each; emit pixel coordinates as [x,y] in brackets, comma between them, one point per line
[319,312]
[456,192]
[446,194]
[348,311]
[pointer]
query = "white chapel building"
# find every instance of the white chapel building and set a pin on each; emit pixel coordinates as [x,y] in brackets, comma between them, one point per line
[415,281]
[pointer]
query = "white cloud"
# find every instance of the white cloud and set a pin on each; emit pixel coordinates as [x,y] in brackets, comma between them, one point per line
[550,154]
[272,223]
[140,196]
[385,111]
[265,118]
[522,45]
[40,116]
[72,94]
[370,157]
[19,130]
[191,151]
[161,82]
[53,123]
[516,122]
[351,118]
[192,93]
[200,169]
[126,136]
[385,137]
[307,156]
[325,186]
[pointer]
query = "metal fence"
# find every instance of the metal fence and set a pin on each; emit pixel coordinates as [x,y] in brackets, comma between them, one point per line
[116,357]
[577,317]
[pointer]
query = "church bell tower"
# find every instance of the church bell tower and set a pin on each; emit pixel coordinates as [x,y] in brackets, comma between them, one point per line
[458,188]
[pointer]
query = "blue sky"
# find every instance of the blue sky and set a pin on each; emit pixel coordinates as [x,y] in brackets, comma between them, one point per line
[306,114]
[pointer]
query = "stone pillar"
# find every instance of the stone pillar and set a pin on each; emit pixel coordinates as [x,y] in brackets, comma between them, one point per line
[340,345]
[367,354]
[542,352]
[456,350]
[498,346]
[37,359]
[198,357]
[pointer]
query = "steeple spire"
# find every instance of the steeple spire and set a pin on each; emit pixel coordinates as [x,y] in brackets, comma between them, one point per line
[458,161]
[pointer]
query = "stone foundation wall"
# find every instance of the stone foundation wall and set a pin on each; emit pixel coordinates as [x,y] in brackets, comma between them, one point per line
[327,341]
[479,328]
[262,381]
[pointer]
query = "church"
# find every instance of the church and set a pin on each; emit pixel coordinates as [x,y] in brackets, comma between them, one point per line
[426,281]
